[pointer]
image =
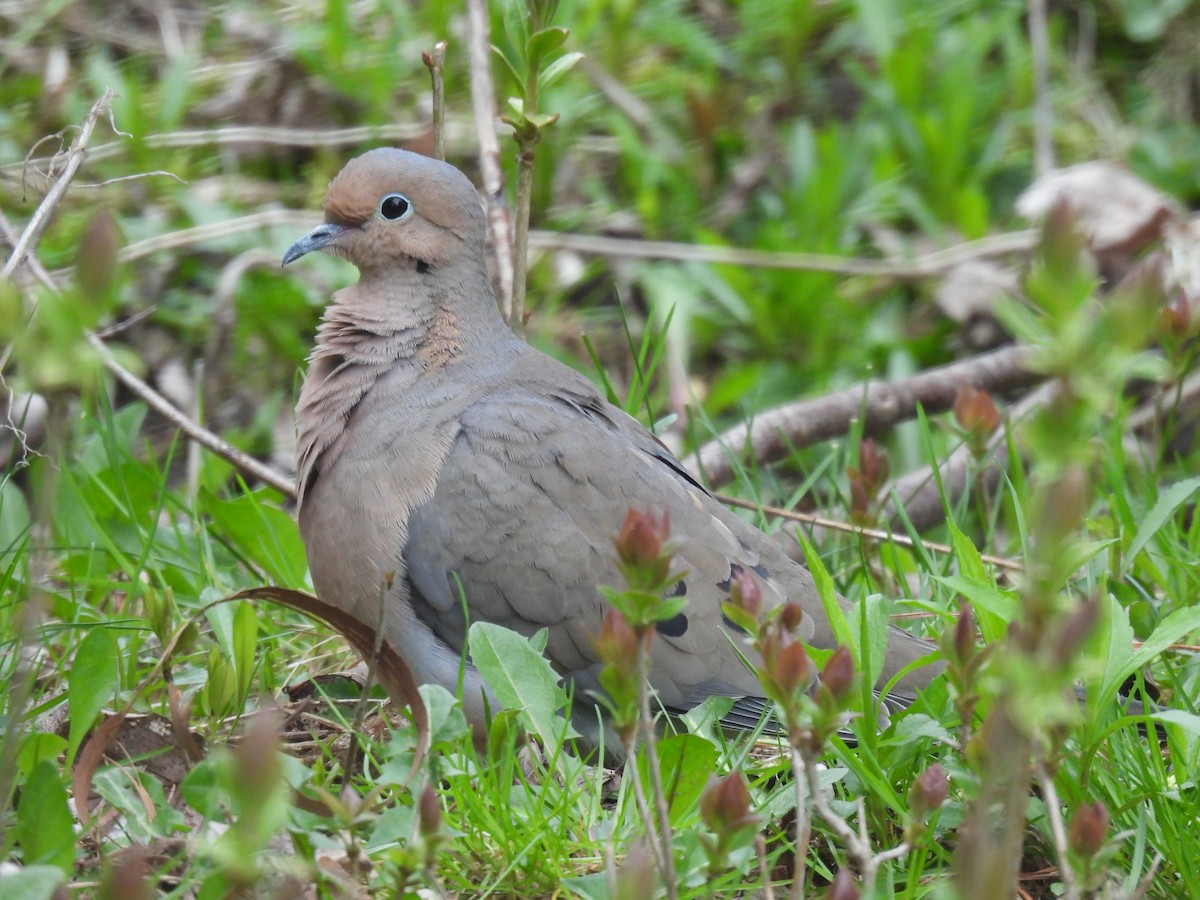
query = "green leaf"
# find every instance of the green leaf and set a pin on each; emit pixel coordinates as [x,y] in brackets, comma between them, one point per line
[542,43]
[34,883]
[1168,502]
[91,683]
[993,607]
[521,679]
[825,590]
[869,637]
[44,823]
[518,81]
[245,645]
[554,72]
[686,761]
[1189,722]
[1173,629]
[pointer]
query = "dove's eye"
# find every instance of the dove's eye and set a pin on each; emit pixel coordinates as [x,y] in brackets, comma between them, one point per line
[394,206]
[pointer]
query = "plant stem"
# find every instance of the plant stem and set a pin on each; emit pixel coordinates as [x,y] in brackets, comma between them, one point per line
[666,845]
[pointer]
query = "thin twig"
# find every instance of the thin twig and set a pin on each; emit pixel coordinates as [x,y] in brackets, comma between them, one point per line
[435,62]
[861,530]
[925,266]
[760,851]
[29,238]
[1043,112]
[180,420]
[483,102]
[1058,832]
[649,740]
[803,825]
[259,134]
[643,805]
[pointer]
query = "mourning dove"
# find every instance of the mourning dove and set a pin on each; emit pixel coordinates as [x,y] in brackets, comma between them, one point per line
[442,461]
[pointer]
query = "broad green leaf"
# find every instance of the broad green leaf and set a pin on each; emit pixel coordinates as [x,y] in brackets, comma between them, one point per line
[33,883]
[44,822]
[1173,629]
[1189,722]
[91,683]
[686,762]
[1168,502]
[520,677]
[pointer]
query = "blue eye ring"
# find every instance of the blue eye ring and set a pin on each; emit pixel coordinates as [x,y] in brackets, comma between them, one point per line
[394,206]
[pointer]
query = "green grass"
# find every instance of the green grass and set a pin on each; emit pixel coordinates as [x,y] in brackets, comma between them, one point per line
[910,121]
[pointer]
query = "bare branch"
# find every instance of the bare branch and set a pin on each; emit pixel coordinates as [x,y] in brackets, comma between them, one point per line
[203,436]
[925,266]
[772,435]
[483,101]
[29,238]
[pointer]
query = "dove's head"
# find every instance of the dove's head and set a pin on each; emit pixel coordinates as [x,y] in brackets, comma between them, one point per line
[390,208]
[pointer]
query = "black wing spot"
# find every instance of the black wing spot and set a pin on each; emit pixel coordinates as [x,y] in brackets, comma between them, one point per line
[734,571]
[676,626]
[729,623]
[423,268]
[680,589]
[762,572]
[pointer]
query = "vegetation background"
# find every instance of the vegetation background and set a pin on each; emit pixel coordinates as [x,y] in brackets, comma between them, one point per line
[891,141]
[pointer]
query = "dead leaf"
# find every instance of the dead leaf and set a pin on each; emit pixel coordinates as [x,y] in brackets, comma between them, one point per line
[394,673]
[1118,212]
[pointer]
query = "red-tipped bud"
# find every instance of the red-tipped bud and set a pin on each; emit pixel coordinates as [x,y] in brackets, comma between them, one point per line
[1089,829]
[429,813]
[838,675]
[746,592]
[843,887]
[790,669]
[725,803]
[975,411]
[642,538]
[928,791]
[873,463]
[617,643]
[791,616]
[964,633]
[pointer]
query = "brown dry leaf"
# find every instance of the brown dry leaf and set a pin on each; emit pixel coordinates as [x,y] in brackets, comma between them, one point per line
[969,293]
[394,673]
[1118,212]
[88,761]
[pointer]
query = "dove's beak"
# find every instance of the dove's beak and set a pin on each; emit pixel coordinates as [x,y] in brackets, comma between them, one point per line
[320,237]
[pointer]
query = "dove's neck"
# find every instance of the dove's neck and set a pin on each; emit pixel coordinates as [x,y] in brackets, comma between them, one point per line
[404,332]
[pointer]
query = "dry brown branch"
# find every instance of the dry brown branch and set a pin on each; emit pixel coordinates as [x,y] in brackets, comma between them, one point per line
[75,154]
[483,101]
[773,434]
[924,266]
[1043,112]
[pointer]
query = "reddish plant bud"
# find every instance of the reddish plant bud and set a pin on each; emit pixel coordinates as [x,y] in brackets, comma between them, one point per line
[617,643]
[975,411]
[873,464]
[1089,829]
[928,791]
[964,633]
[642,538]
[746,592]
[429,813]
[843,887]
[838,675]
[790,669]
[725,803]
[791,616]
[96,259]
[860,495]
